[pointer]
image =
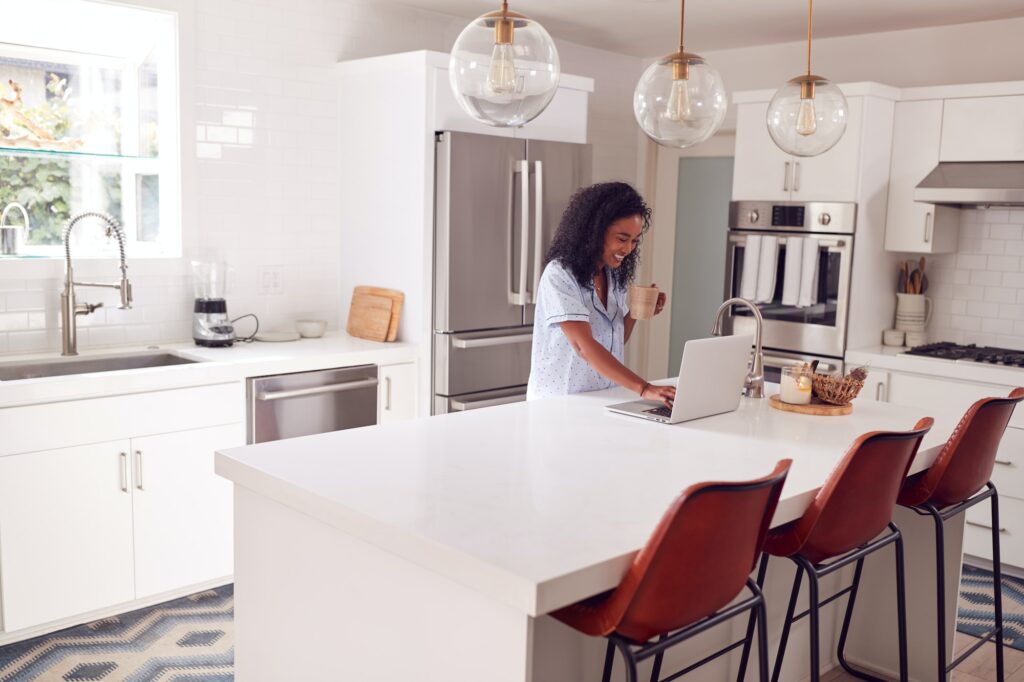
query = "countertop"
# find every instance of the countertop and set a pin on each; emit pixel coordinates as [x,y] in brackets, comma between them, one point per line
[218,365]
[894,358]
[542,503]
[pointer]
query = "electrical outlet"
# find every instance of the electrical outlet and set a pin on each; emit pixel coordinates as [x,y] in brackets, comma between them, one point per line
[271,279]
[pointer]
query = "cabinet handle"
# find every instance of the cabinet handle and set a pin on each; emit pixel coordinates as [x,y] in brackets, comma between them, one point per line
[785,178]
[878,391]
[796,176]
[124,472]
[387,393]
[927,227]
[985,526]
[138,469]
[1004,462]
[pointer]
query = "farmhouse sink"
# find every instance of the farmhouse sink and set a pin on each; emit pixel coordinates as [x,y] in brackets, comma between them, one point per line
[13,371]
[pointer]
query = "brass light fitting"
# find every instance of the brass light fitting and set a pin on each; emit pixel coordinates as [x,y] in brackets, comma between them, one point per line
[504,23]
[807,82]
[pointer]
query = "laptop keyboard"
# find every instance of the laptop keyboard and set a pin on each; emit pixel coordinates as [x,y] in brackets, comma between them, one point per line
[661,411]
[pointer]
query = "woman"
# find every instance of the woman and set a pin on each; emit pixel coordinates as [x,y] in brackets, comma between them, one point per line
[582,323]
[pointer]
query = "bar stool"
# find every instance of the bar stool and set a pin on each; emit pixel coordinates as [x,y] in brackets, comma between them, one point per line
[845,520]
[695,563]
[958,480]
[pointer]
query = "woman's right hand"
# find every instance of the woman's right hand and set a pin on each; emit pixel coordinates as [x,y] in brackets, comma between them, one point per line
[665,395]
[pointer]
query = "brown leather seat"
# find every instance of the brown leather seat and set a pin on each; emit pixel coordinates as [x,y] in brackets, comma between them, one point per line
[957,480]
[848,513]
[695,563]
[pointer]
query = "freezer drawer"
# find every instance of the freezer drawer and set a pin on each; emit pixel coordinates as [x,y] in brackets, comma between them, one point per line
[476,401]
[469,362]
[301,404]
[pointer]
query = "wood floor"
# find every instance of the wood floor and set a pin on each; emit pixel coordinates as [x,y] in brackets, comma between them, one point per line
[980,667]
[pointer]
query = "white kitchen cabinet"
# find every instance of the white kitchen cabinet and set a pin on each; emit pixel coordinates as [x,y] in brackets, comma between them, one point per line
[764,172]
[65,532]
[396,395]
[910,225]
[978,531]
[182,510]
[983,129]
[876,386]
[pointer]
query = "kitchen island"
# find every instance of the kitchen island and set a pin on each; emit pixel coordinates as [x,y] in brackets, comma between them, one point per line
[432,549]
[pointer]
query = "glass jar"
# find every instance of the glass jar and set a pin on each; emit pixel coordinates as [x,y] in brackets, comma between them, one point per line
[795,385]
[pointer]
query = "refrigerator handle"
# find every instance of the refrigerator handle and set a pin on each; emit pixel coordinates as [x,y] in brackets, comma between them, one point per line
[520,297]
[538,229]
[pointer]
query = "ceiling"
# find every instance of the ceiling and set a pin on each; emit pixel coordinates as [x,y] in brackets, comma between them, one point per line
[649,28]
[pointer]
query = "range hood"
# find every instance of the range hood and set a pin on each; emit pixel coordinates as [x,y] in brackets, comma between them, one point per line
[981,183]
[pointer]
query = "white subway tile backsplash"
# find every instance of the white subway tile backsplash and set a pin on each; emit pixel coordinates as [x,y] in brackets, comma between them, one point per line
[1009,232]
[986,278]
[971,261]
[994,326]
[1004,263]
[1000,295]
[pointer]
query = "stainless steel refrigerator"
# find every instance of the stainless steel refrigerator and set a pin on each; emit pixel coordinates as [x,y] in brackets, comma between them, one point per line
[497,204]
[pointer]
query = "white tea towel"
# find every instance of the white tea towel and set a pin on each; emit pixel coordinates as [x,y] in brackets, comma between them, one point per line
[793,266]
[751,258]
[809,274]
[766,269]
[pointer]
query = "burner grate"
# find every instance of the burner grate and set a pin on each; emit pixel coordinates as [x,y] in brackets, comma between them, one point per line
[953,351]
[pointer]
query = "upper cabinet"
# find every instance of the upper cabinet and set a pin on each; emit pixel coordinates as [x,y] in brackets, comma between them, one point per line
[764,172]
[911,225]
[983,129]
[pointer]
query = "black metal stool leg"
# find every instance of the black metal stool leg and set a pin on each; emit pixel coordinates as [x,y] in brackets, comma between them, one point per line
[762,641]
[997,585]
[940,593]
[658,658]
[850,601]
[745,656]
[627,658]
[788,623]
[813,599]
[609,661]
[901,605]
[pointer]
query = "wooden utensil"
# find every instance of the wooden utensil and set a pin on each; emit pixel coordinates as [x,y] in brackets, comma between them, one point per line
[397,299]
[369,316]
[915,283]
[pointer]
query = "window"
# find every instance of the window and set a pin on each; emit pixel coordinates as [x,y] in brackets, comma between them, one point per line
[89,122]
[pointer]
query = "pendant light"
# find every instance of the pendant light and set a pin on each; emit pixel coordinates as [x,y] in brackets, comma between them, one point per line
[504,68]
[807,115]
[680,100]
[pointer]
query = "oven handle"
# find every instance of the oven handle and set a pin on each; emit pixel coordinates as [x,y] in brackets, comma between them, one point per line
[463,405]
[827,243]
[771,361]
[487,342]
[317,390]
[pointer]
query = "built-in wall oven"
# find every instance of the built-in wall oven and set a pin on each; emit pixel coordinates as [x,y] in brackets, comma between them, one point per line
[814,327]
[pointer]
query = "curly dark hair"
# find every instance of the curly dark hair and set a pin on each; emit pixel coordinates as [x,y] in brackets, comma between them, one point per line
[579,241]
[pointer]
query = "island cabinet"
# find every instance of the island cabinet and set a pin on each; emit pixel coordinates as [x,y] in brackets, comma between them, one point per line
[119,504]
[910,225]
[396,394]
[1008,475]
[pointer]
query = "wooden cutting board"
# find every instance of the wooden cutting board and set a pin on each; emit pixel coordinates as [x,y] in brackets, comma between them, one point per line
[816,407]
[397,298]
[369,316]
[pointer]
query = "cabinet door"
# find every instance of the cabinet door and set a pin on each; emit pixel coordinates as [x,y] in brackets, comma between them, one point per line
[183,510]
[983,129]
[909,225]
[65,533]
[948,394]
[762,171]
[396,393]
[876,386]
[832,176]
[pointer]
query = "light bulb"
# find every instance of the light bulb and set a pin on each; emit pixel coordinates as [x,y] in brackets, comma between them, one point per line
[501,77]
[806,118]
[678,108]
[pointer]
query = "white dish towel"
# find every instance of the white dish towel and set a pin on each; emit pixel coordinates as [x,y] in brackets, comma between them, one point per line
[793,267]
[809,274]
[751,259]
[766,269]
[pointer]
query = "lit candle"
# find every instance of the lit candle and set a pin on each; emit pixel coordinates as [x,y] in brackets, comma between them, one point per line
[795,386]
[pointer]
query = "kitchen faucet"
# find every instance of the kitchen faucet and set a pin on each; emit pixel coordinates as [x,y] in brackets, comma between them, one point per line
[753,387]
[69,310]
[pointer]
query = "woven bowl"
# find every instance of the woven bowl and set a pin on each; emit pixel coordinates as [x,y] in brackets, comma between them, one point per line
[835,390]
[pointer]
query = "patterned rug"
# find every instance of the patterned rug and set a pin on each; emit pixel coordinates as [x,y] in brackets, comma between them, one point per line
[976,615]
[185,640]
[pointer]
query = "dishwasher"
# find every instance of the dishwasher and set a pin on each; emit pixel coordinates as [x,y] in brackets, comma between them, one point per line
[304,403]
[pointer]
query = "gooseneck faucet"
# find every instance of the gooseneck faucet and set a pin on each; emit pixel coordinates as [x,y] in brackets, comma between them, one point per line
[753,387]
[69,310]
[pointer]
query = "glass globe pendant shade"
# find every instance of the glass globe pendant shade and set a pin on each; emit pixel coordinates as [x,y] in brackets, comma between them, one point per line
[680,101]
[504,69]
[807,116]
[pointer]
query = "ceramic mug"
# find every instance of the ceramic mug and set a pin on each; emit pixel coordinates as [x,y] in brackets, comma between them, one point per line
[913,312]
[642,301]
[893,337]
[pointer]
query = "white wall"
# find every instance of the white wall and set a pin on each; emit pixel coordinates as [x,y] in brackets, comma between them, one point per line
[260,179]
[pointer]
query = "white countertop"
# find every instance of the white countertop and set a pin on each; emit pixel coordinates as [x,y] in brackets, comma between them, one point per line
[218,365]
[894,358]
[542,503]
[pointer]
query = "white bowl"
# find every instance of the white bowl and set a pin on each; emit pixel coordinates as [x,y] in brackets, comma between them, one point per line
[311,329]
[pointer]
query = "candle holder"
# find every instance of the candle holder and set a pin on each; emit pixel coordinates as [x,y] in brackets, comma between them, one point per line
[795,385]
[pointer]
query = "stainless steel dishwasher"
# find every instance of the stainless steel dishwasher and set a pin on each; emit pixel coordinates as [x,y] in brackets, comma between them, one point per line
[304,403]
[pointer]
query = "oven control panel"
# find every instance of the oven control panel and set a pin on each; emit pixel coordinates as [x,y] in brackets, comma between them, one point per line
[830,217]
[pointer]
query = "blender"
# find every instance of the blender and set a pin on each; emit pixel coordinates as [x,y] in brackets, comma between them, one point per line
[211,325]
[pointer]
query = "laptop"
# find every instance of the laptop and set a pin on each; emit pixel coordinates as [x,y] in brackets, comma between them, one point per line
[711,377]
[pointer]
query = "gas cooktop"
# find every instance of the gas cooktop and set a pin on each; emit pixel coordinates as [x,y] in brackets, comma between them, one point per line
[971,353]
